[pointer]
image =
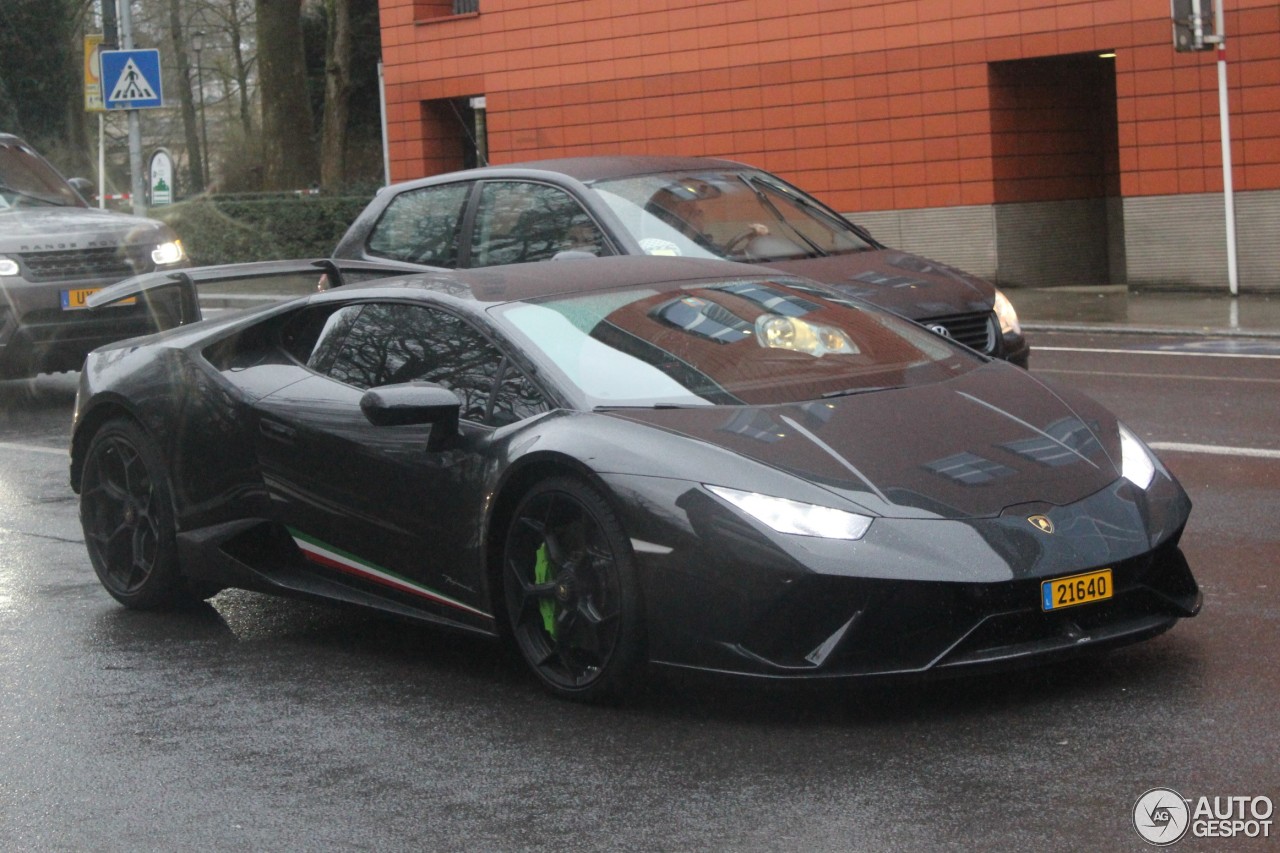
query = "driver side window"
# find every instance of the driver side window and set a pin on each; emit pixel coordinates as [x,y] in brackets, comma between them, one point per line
[520,222]
[421,226]
[373,344]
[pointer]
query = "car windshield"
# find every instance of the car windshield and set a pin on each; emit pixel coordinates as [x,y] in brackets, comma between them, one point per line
[743,215]
[26,180]
[727,342]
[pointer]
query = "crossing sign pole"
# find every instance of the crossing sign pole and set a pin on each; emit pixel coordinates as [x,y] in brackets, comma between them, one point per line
[120,81]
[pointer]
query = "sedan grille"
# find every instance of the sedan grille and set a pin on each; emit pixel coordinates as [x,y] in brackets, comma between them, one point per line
[105,262]
[973,330]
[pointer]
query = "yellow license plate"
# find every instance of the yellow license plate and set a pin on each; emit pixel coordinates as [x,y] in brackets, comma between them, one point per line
[1077,589]
[73,300]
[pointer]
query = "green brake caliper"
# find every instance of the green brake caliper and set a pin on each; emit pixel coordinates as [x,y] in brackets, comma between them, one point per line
[541,575]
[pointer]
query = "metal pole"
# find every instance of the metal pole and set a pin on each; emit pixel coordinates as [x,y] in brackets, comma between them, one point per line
[136,187]
[102,161]
[1224,116]
[382,112]
[109,37]
[204,128]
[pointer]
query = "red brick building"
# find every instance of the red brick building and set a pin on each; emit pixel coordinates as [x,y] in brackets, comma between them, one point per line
[1031,141]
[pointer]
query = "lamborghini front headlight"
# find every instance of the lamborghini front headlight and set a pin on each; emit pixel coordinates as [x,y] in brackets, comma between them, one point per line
[1137,465]
[802,519]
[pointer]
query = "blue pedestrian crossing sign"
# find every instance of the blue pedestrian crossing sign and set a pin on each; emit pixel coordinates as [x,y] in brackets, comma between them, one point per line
[131,79]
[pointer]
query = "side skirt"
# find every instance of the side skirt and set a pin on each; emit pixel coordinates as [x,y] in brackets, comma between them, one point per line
[257,555]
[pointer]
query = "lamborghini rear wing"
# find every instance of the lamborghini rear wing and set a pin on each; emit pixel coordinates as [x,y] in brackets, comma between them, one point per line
[327,272]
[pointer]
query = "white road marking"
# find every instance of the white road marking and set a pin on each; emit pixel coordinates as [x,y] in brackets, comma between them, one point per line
[1185,376]
[1159,352]
[33,448]
[1218,450]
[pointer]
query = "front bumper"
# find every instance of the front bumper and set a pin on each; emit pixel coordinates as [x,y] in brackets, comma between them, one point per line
[1016,350]
[839,627]
[38,336]
[915,596]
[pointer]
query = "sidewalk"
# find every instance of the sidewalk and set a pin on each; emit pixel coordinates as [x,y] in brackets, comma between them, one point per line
[1115,308]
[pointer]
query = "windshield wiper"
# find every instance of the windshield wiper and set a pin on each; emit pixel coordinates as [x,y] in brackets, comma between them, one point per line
[861,389]
[819,212]
[768,202]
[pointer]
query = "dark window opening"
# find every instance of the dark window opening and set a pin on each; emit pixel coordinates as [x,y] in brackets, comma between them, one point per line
[454,134]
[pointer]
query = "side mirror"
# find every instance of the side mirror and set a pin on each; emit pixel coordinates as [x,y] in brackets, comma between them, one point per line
[87,189]
[415,403]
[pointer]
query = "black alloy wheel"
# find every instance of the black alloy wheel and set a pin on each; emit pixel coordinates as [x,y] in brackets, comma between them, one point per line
[127,515]
[571,590]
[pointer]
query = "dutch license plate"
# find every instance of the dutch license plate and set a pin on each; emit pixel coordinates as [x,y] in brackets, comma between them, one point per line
[73,300]
[1077,589]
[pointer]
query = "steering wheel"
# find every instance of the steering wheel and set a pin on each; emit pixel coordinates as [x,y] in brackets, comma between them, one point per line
[752,231]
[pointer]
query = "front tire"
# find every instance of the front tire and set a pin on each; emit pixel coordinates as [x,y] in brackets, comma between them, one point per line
[572,593]
[126,511]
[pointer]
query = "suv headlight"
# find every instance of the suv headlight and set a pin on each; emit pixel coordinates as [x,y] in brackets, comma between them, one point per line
[168,253]
[802,519]
[1137,465]
[8,266]
[1006,315]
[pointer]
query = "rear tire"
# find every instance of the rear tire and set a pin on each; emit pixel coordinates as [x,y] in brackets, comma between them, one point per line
[126,511]
[572,593]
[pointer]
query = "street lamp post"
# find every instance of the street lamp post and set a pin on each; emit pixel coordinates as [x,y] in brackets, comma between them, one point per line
[197,45]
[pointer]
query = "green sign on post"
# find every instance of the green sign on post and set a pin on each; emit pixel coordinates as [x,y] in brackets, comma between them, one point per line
[161,183]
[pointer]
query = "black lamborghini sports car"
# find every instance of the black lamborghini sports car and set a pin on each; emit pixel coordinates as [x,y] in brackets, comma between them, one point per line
[623,462]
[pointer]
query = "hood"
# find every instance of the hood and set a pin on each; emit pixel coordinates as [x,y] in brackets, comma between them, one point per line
[906,284]
[965,448]
[54,228]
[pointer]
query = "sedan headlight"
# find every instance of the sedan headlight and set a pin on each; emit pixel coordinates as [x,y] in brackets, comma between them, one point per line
[802,519]
[1137,465]
[8,266]
[1006,315]
[168,253]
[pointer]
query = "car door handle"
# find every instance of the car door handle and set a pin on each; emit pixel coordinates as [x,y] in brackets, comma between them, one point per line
[276,430]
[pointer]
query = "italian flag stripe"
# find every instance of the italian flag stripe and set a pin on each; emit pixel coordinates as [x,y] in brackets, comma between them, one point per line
[334,558]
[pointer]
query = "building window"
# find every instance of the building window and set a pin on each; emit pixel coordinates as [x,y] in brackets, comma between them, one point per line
[427,9]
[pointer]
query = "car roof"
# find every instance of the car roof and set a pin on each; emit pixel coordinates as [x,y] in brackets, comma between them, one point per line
[587,169]
[584,169]
[524,282]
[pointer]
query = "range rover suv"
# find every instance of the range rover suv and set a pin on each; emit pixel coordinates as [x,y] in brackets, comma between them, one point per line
[54,251]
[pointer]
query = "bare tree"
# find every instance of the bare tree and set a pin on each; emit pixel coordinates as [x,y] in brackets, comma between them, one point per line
[178,38]
[235,18]
[337,94]
[289,154]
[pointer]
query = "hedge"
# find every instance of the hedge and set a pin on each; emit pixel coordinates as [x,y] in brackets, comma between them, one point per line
[233,229]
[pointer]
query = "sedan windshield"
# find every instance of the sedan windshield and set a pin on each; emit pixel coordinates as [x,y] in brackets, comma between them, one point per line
[727,342]
[743,215]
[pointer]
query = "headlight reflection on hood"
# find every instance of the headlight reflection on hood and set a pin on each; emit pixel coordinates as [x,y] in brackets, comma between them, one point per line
[791,333]
[1136,463]
[803,519]
[168,253]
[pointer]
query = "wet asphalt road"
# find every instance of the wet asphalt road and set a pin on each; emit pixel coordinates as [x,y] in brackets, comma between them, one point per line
[262,724]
